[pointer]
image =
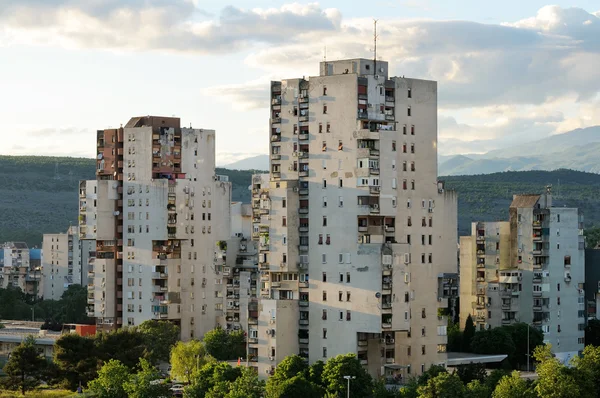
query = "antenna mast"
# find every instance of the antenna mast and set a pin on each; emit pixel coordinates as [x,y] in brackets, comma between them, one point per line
[375,46]
[325,54]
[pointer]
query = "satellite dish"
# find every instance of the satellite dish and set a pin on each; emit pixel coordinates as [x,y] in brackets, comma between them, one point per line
[378,295]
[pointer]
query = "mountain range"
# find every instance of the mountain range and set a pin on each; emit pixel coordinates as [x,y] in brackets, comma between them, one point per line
[575,150]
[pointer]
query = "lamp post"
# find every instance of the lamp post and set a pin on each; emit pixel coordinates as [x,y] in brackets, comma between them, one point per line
[349,378]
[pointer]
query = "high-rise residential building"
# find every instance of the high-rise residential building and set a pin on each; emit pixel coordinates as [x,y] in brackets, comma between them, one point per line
[529,269]
[355,232]
[64,262]
[155,211]
[18,270]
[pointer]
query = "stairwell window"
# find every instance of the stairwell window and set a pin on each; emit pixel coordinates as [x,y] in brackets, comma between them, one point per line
[408,111]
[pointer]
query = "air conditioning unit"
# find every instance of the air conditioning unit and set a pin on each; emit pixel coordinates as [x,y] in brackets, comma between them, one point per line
[382,341]
[295,154]
[272,322]
[369,105]
[268,332]
[268,371]
[295,189]
[271,358]
[431,210]
[376,206]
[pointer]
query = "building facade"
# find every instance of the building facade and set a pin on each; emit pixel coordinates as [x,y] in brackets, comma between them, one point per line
[355,234]
[155,213]
[18,270]
[64,262]
[530,269]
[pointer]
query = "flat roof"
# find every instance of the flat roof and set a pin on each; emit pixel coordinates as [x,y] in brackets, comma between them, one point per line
[465,358]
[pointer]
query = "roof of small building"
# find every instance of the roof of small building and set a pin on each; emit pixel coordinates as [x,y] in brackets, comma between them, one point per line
[523,201]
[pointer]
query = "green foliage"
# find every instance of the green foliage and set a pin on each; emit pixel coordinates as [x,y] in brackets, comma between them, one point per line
[248,385]
[295,387]
[76,359]
[468,334]
[554,379]
[224,346]
[186,358]
[315,373]
[470,372]
[143,383]
[159,338]
[346,365]
[512,386]
[444,385]
[587,369]
[111,380]
[592,332]
[455,337]
[125,345]
[477,389]
[430,373]
[493,341]
[494,378]
[518,334]
[25,366]
[211,377]
[592,237]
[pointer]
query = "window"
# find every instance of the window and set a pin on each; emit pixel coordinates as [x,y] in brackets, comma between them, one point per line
[324,296]
[324,316]
[423,331]
[324,258]
[340,183]
[431,221]
[348,296]
[324,221]
[324,201]
[404,184]
[324,183]
[430,258]
[404,166]
[347,277]
[324,333]
[324,90]
[348,315]
[328,240]
[409,221]
[283,203]
[412,148]
[408,111]
[283,221]
[558,287]
[320,127]
[408,204]
[412,166]
[341,315]
[412,185]
[430,239]
[394,201]
[324,109]
[320,241]
[393,146]
[409,93]
[423,353]
[404,148]
[567,260]
[558,218]
[404,129]
[340,296]
[422,258]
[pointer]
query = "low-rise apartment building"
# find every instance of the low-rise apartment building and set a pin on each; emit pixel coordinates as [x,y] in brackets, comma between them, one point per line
[17,269]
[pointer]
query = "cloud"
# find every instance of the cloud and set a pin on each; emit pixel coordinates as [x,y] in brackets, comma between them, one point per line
[176,25]
[57,132]
[245,96]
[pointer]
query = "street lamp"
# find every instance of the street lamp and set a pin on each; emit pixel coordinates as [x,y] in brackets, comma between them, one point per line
[349,378]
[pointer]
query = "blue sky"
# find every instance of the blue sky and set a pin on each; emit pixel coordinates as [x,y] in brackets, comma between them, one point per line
[508,72]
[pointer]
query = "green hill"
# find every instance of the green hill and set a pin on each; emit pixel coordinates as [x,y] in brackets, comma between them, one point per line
[39,194]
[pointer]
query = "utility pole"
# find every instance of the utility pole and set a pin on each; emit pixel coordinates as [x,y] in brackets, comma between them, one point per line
[375,46]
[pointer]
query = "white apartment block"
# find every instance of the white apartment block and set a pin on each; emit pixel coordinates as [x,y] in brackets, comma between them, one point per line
[529,269]
[64,262]
[155,211]
[18,270]
[356,235]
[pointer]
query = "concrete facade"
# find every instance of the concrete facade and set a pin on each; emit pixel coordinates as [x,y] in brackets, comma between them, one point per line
[155,212]
[530,269]
[18,270]
[356,235]
[64,262]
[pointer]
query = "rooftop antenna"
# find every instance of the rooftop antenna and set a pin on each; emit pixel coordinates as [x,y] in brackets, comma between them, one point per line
[325,53]
[375,46]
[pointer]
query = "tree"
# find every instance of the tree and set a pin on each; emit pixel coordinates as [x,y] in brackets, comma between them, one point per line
[518,333]
[592,332]
[477,389]
[470,372]
[145,383]
[25,365]
[492,380]
[296,387]
[76,359]
[455,337]
[290,367]
[554,379]
[224,346]
[512,386]
[592,237]
[587,369]
[492,342]
[111,380]
[210,375]
[468,334]
[72,305]
[247,385]
[159,337]
[430,373]
[381,391]
[187,357]
[346,365]
[125,345]
[444,385]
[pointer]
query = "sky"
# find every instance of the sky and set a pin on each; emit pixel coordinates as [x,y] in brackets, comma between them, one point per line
[508,72]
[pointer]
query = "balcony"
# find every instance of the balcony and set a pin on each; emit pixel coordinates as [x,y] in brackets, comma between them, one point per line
[303,247]
[303,284]
[303,228]
[507,321]
[303,322]
[540,253]
[302,340]
[303,136]
[373,171]
[276,120]
[303,192]
[386,325]
[480,265]
[303,303]
[275,156]
[374,190]
[252,340]
[303,173]
[303,210]
[537,308]
[363,343]
[374,209]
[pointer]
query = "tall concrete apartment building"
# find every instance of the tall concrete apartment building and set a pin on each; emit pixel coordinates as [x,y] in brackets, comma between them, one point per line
[18,269]
[64,262]
[529,269]
[155,211]
[355,233]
